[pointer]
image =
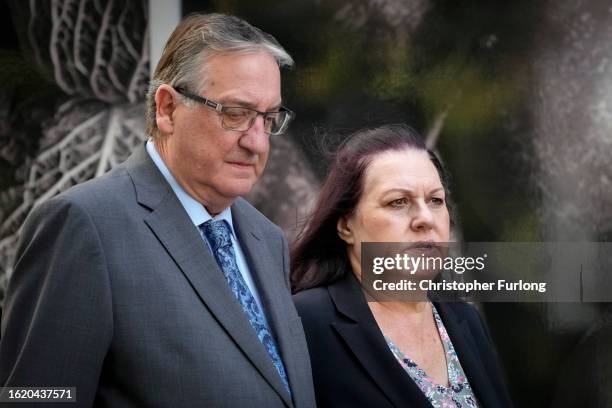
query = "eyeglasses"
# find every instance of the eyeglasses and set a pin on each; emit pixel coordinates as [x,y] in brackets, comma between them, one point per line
[241,119]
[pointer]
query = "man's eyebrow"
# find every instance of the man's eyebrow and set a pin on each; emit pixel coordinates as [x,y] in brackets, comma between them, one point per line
[246,104]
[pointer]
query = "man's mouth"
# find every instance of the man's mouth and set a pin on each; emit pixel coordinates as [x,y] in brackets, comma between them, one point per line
[241,163]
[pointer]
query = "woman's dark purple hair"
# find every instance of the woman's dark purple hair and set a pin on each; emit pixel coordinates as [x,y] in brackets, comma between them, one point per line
[319,256]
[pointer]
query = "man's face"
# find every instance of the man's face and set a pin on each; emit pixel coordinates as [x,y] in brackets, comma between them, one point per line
[212,164]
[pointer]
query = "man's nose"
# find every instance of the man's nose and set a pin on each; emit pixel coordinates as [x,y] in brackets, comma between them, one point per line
[256,139]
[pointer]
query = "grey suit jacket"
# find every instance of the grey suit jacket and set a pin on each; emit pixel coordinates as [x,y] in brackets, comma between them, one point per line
[114,292]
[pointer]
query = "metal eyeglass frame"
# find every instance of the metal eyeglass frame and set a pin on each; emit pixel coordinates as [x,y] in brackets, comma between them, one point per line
[219,108]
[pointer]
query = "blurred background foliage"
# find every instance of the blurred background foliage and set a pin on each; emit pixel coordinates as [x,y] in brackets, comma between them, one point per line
[461,67]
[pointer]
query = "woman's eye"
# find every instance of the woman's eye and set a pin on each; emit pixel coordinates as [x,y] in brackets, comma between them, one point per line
[400,202]
[437,201]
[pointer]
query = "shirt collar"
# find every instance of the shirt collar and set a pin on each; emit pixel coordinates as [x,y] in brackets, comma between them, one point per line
[196,211]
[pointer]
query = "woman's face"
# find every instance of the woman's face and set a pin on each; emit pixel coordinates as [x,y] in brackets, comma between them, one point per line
[403,200]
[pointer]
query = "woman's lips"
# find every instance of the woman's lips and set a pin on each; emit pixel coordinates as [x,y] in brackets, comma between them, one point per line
[426,248]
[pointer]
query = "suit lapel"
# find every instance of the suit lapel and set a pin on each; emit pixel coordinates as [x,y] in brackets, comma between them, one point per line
[467,351]
[268,272]
[183,242]
[366,342]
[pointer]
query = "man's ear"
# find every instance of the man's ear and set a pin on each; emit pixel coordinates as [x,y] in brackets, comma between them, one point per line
[343,226]
[166,101]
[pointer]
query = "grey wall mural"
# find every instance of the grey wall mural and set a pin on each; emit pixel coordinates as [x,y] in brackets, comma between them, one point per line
[96,53]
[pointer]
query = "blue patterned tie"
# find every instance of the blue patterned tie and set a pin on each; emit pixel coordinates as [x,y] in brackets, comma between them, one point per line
[218,235]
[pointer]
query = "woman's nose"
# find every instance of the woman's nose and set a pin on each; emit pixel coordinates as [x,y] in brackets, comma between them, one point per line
[422,217]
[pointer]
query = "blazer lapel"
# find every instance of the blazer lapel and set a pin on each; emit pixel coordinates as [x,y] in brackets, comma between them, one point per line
[268,272]
[467,351]
[367,343]
[183,242]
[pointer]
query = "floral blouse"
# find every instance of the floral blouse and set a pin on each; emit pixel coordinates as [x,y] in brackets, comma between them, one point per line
[458,394]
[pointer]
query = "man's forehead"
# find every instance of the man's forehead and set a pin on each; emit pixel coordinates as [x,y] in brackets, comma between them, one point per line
[238,65]
[243,79]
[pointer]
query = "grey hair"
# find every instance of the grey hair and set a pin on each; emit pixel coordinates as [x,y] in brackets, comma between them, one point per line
[197,38]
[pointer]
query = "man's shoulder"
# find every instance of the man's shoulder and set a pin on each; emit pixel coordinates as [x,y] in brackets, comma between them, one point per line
[80,209]
[111,194]
[116,185]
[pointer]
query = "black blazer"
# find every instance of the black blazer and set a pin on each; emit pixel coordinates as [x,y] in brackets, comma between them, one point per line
[352,365]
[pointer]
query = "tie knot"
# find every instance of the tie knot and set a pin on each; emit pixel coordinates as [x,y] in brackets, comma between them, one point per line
[218,233]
